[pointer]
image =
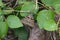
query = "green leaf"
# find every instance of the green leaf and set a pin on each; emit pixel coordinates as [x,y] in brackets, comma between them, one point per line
[24,14]
[1,12]
[21,33]
[57,8]
[50,2]
[43,18]
[56,2]
[45,14]
[3,29]
[21,1]
[1,18]
[14,22]
[1,4]
[50,25]
[18,7]
[28,7]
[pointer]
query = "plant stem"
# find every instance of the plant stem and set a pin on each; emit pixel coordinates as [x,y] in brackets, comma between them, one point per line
[59,31]
[16,10]
[47,7]
[58,21]
[44,5]
[36,3]
[59,27]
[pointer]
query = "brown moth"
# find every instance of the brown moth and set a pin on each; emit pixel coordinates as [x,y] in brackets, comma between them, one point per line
[35,33]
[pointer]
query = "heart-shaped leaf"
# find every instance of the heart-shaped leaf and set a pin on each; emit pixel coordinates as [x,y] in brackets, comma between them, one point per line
[43,18]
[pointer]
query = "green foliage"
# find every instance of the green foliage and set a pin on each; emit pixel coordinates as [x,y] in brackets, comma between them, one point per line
[50,25]
[53,3]
[3,29]
[57,8]
[1,4]
[14,22]
[1,12]
[6,12]
[50,2]
[1,18]
[59,31]
[18,7]
[21,1]
[27,8]
[11,16]
[21,33]
[45,19]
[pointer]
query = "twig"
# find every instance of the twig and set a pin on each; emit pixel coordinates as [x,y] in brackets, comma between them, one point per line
[36,3]
[58,21]
[16,10]
[43,5]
